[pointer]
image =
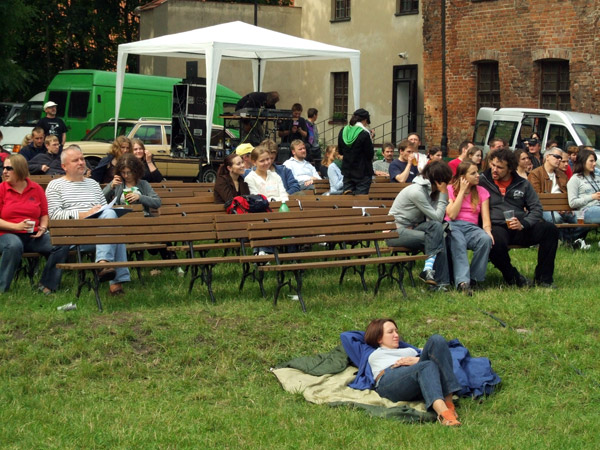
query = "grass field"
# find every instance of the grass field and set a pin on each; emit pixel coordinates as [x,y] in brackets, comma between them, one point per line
[161,369]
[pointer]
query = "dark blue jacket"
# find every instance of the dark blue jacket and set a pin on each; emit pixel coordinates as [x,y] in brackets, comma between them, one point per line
[474,374]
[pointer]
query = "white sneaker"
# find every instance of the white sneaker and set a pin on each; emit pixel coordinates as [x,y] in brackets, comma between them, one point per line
[261,253]
[580,243]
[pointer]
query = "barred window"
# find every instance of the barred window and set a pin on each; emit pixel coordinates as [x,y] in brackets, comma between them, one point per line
[341,10]
[407,6]
[340,95]
[555,89]
[488,85]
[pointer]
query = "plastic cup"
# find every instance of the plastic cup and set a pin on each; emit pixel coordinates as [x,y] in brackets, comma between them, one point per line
[30,225]
[580,216]
[126,192]
[509,215]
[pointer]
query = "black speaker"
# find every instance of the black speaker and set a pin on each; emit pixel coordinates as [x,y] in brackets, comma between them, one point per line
[191,69]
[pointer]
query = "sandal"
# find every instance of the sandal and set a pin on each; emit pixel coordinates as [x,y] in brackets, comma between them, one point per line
[448,419]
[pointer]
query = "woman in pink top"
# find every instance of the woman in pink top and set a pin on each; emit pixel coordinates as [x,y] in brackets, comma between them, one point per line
[466,200]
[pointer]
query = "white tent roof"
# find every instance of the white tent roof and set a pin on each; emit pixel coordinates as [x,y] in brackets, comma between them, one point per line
[233,40]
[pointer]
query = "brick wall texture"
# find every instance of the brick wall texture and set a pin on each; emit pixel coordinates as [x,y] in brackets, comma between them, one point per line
[517,34]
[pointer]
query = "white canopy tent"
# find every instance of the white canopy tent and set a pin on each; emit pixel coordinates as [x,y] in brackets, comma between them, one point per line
[233,40]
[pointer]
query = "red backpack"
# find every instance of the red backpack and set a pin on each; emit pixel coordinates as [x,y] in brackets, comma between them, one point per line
[244,204]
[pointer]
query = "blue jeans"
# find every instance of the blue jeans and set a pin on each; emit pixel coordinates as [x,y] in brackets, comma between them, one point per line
[428,236]
[113,252]
[591,214]
[468,236]
[431,379]
[13,245]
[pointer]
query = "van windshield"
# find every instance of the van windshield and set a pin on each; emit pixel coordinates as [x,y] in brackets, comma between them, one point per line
[29,115]
[589,134]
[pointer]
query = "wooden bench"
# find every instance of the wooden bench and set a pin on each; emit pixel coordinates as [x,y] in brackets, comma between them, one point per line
[321,186]
[136,231]
[560,203]
[386,191]
[357,239]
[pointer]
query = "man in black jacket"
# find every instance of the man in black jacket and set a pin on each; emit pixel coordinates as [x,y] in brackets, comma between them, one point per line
[525,226]
[47,163]
[356,146]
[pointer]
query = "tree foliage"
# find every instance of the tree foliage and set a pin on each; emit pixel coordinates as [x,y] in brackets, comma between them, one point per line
[40,38]
[55,35]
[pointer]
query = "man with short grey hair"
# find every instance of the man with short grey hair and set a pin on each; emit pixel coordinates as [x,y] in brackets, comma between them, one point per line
[76,197]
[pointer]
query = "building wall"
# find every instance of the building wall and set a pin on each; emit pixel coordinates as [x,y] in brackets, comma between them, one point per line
[518,34]
[374,29]
[175,16]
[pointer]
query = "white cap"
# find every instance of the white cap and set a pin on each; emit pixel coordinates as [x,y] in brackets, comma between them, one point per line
[49,105]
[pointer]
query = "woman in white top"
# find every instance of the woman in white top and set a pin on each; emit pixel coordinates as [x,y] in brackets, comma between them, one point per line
[402,375]
[584,187]
[264,181]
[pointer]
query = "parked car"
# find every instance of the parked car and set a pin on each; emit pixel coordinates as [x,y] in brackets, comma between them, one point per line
[21,122]
[517,124]
[156,136]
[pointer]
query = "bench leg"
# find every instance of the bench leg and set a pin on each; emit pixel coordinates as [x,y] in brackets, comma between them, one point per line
[32,265]
[298,275]
[281,282]
[383,273]
[139,256]
[245,274]
[206,276]
[97,291]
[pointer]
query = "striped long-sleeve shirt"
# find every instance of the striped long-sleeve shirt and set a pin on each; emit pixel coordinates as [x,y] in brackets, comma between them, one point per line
[67,198]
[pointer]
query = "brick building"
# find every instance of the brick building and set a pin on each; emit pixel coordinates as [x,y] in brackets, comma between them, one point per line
[508,53]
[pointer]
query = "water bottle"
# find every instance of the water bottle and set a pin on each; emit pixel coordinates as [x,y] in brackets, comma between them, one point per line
[284,207]
[67,307]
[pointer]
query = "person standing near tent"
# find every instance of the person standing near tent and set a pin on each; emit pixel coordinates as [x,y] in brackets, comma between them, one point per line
[258,100]
[356,146]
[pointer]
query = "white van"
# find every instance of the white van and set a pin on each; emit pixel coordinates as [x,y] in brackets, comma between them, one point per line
[22,122]
[517,124]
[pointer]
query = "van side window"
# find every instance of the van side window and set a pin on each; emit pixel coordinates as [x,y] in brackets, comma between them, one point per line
[481,127]
[78,104]
[561,135]
[504,129]
[149,134]
[589,134]
[60,98]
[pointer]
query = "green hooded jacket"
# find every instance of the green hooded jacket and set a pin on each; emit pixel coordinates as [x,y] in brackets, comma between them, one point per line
[350,134]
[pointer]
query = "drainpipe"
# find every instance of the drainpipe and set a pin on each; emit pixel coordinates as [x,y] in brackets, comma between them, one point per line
[256,24]
[444,141]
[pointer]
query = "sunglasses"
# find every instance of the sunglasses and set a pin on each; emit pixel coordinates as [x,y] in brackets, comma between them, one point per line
[9,168]
[556,156]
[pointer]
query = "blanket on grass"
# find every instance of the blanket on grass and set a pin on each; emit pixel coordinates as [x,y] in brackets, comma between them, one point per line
[325,379]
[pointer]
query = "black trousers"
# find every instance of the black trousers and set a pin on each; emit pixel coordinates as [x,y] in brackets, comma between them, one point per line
[358,186]
[542,233]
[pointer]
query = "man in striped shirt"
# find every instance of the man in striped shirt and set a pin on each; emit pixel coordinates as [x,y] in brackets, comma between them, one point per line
[76,197]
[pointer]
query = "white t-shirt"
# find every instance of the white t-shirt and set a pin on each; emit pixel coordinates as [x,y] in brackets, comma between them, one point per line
[555,189]
[382,358]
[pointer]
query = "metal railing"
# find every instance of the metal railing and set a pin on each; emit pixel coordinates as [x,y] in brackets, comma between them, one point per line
[329,130]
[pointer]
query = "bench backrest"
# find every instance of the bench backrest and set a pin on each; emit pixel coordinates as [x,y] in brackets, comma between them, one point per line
[334,230]
[555,202]
[132,230]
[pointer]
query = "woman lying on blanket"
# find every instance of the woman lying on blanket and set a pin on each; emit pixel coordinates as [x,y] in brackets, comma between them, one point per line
[401,375]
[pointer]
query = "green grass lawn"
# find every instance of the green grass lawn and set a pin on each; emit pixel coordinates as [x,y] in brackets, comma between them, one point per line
[163,369]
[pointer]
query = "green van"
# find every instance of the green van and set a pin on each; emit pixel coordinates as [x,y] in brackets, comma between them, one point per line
[86,98]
